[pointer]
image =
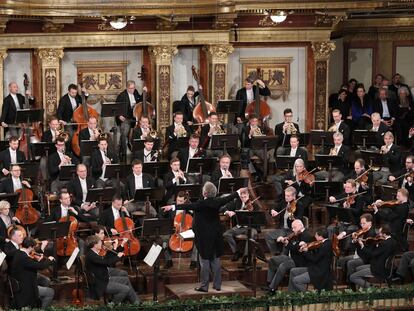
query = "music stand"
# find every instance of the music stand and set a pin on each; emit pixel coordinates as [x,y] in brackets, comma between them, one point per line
[194,191]
[116,170]
[200,165]
[67,172]
[224,142]
[303,139]
[100,195]
[264,143]
[285,162]
[388,193]
[229,107]
[373,158]
[149,194]
[153,228]
[182,142]
[156,169]
[328,161]
[321,138]
[12,198]
[343,215]
[52,231]
[4,144]
[113,110]
[365,138]
[326,188]
[249,219]
[229,185]
[138,144]
[88,146]
[43,149]
[29,169]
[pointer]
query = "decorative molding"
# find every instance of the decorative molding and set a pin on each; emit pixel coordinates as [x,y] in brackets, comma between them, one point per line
[166,24]
[3,55]
[163,53]
[380,36]
[219,53]
[3,24]
[321,87]
[50,90]
[326,20]
[50,26]
[105,63]
[248,35]
[219,80]
[50,57]
[322,50]
[164,97]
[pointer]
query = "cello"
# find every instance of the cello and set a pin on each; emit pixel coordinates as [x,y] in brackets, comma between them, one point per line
[125,227]
[143,108]
[81,116]
[203,108]
[66,245]
[258,107]
[182,222]
[25,212]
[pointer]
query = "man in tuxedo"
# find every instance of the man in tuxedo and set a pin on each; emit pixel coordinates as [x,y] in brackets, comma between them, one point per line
[79,186]
[111,214]
[187,104]
[397,84]
[208,233]
[248,94]
[378,127]
[14,182]
[173,132]
[295,150]
[207,131]
[192,151]
[65,209]
[11,155]
[391,158]
[100,158]
[287,127]
[386,108]
[142,131]
[11,103]
[68,104]
[89,133]
[361,186]
[148,154]
[173,178]
[138,180]
[52,133]
[406,181]
[128,98]
[340,126]
[223,171]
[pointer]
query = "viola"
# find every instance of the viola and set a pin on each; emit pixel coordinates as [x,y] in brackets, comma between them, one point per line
[25,212]
[258,107]
[66,245]
[81,116]
[373,239]
[360,232]
[125,226]
[388,204]
[143,108]
[203,108]
[182,222]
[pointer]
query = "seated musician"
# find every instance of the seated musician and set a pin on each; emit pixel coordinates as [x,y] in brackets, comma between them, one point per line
[378,127]
[342,151]
[79,186]
[138,180]
[358,176]
[404,178]
[286,217]
[318,270]
[100,279]
[213,127]
[90,132]
[287,127]
[350,263]
[24,271]
[281,264]
[391,159]
[111,214]
[340,126]
[14,182]
[7,218]
[395,216]
[11,155]
[192,151]
[181,198]
[248,92]
[148,154]
[173,178]
[11,103]
[242,203]
[383,249]
[100,158]
[53,132]
[143,130]
[176,130]
[223,171]
[56,161]
[405,265]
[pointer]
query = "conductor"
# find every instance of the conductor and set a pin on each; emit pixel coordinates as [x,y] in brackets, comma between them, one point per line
[208,233]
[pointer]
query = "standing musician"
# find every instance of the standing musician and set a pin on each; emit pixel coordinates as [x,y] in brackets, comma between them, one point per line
[56,161]
[24,270]
[288,210]
[11,103]
[287,127]
[208,233]
[100,158]
[11,155]
[187,104]
[247,94]
[173,178]
[384,249]
[79,186]
[223,171]
[282,264]
[176,130]
[340,126]
[148,154]
[363,179]
[395,215]
[192,151]
[391,159]
[319,265]
[101,280]
[68,104]
[242,203]
[14,182]
[111,214]
[138,180]
[7,219]
[128,99]
[213,127]
[405,179]
[378,127]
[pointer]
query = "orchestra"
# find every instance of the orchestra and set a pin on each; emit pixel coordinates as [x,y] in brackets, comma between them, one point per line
[360,228]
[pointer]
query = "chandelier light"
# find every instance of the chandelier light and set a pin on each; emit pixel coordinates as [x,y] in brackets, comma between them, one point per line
[278,17]
[118,22]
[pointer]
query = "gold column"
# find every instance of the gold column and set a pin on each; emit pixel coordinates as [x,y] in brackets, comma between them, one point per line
[217,68]
[161,56]
[321,53]
[50,64]
[3,55]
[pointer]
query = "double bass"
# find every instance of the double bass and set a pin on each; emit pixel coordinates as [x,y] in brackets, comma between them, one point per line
[143,108]
[125,227]
[203,108]
[182,222]
[66,245]
[258,107]
[81,116]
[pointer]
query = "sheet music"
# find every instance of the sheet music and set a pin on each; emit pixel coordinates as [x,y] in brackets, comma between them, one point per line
[2,256]
[72,258]
[187,235]
[153,254]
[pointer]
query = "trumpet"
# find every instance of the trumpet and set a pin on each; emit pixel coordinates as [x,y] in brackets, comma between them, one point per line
[291,129]
[67,159]
[181,131]
[333,151]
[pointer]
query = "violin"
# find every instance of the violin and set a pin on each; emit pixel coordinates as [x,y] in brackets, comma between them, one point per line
[360,232]
[258,107]
[125,226]
[36,256]
[25,212]
[182,222]
[307,177]
[388,204]
[373,239]
[350,199]
[107,245]
[313,245]
[203,108]
[66,245]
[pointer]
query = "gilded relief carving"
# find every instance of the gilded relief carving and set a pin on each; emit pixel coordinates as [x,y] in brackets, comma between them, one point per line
[164,97]
[219,53]
[219,82]
[320,94]
[163,53]
[50,57]
[322,50]
[50,90]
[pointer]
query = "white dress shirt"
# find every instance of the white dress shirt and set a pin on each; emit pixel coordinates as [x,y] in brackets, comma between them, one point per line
[138,182]
[84,187]
[385,110]
[13,156]
[132,99]
[104,158]
[17,183]
[73,102]
[337,125]
[147,156]
[16,101]
[64,211]
[293,152]
[224,173]
[115,212]
[250,95]
[91,134]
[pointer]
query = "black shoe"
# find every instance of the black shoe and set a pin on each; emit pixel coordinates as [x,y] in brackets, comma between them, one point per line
[193,265]
[269,290]
[200,289]
[168,264]
[217,289]
[236,256]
